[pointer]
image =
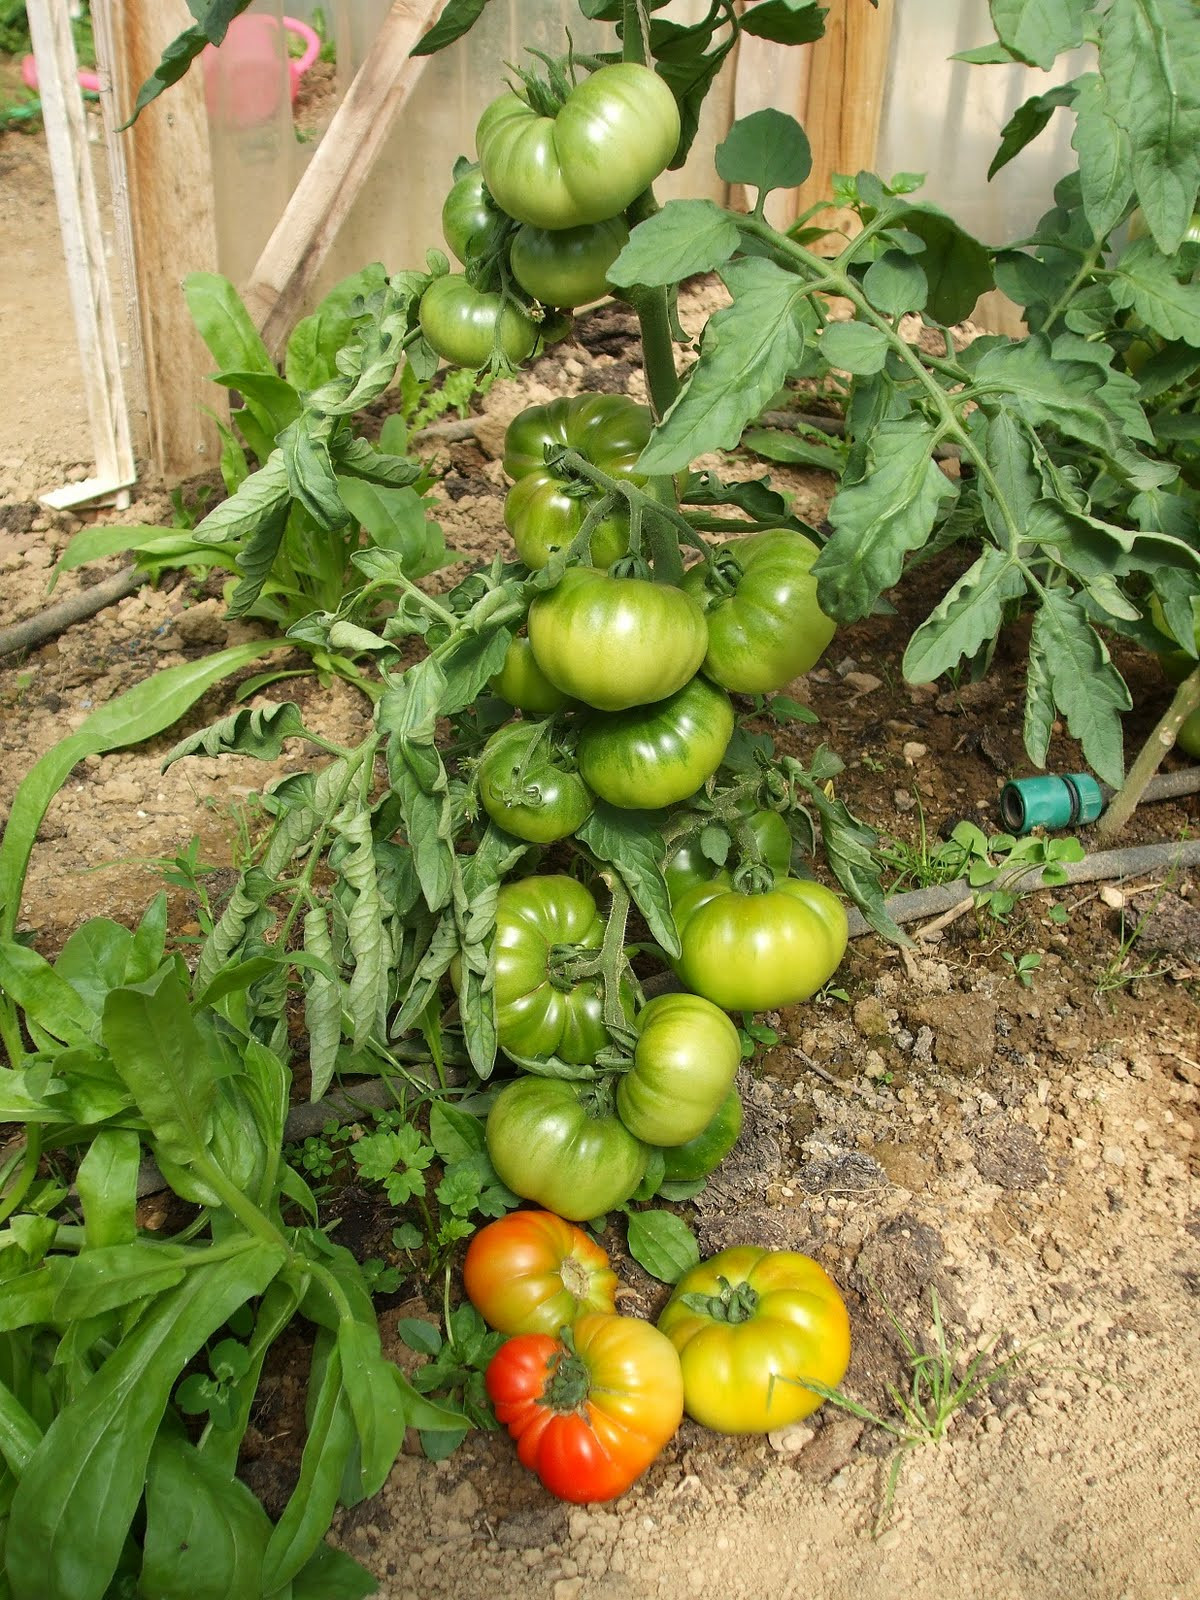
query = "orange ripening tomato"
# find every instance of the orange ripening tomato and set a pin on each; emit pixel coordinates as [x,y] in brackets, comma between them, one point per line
[533,1272]
[589,1411]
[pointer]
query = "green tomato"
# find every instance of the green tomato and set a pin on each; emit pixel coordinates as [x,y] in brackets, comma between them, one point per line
[613,135]
[535,1015]
[467,214]
[523,684]
[527,786]
[616,642]
[655,755]
[567,266]
[560,1144]
[757,952]
[545,509]
[688,865]
[1188,737]
[684,1064]
[696,1158]
[764,624]
[460,323]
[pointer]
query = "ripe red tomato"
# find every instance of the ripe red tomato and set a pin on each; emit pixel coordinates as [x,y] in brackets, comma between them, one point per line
[532,1272]
[589,1413]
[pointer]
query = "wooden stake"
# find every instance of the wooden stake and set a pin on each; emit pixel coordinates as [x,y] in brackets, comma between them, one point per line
[172,222]
[83,247]
[293,254]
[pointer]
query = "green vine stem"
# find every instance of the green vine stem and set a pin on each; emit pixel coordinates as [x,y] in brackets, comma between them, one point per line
[1187,700]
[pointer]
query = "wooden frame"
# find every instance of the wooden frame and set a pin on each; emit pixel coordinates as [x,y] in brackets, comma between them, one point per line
[83,248]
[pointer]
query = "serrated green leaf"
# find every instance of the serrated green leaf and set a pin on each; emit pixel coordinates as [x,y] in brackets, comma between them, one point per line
[795,449]
[1104,157]
[1036,31]
[458,18]
[1143,278]
[685,237]
[879,519]
[746,355]
[632,842]
[1085,685]
[1150,64]
[257,731]
[968,614]
[896,284]
[957,268]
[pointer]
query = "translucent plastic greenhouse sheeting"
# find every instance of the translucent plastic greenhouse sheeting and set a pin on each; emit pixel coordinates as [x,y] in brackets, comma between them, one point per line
[944,118]
[397,216]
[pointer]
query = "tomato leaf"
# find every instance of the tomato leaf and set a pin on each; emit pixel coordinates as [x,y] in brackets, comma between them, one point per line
[685,237]
[877,520]
[1145,280]
[1150,64]
[459,17]
[455,1134]
[747,352]
[785,21]
[1027,121]
[766,150]
[663,1244]
[896,284]
[1075,666]
[1035,31]
[968,614]
[632,842]
[854,347]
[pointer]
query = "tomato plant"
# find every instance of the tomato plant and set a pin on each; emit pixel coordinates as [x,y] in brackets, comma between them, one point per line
[760,602]
[684,1065]
[612,135]
[471,326]
[528,785]
[589,1413]
[654,755]
[751,1325]
[563,1145]
[541,923]
[534,1272]
[616,642]
[750,951]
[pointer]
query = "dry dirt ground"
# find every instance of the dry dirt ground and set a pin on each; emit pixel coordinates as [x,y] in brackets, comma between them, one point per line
[1026,1153]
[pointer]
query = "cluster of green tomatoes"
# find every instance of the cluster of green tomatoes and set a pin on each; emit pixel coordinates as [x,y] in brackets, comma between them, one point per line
[625,687]
[539,219]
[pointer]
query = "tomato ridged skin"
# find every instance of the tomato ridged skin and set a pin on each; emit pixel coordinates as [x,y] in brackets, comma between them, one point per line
[615,133]
[534,1017]
[616,642]
[696,1158]
[769,629]
[567,266]
[747,1376]
[655,755]
[630,1405]
[527,788]
[757,952]
[459,323]
[523,684]
[688,866]
[549,1142]
[534,1272]
[684,1064]
[545,509]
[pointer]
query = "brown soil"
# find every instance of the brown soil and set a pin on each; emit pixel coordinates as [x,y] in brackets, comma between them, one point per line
[1027,1153]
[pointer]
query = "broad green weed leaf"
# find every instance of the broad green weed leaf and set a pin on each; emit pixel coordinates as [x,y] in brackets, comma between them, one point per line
[160,1055]
[106,1179]
[206,1533]
[663,1244]
[224,324]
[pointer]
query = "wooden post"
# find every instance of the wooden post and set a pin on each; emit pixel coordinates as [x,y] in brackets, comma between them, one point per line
[172,226]
[83,247]
[845,99]
[293,254]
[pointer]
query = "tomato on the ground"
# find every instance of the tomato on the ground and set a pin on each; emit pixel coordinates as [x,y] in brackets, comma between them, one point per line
[751,1327]
[589,1414]
[534,1272]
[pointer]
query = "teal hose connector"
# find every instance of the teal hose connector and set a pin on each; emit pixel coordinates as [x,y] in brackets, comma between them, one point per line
[1051,803]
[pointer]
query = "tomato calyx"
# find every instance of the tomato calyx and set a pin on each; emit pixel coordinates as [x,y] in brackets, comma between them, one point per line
[734,1303]
[724,574]
[754,876]
[568,1382]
